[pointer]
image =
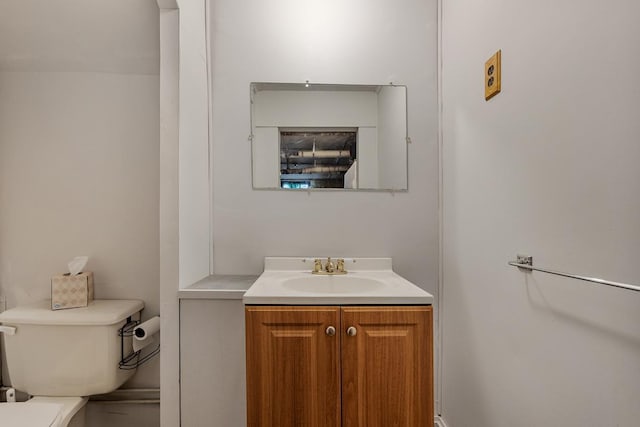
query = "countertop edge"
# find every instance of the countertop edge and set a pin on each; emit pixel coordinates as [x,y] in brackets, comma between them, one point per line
[218,286]
[337,301]
[210,294]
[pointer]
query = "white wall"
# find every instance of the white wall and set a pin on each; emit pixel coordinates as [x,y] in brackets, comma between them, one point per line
[549,167]
[122,414]
[351,176]
[265,152]
[110,36]
[194,189]
[392,134]
[79,176]
[169,213]
[212,377]
[368,164]
[361,41]
[79,151]
[289,41]
[314,108]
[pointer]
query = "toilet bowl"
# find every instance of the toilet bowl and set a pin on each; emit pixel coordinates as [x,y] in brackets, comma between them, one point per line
[44,412]
[60,357]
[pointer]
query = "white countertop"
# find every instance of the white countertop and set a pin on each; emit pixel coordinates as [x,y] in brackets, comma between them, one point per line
[369,281]
[218,286]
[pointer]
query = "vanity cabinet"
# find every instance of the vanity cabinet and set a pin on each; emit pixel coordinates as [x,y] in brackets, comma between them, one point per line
[330,366]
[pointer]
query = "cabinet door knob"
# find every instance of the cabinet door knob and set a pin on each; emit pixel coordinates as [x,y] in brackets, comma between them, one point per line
[331,331]
[352,331]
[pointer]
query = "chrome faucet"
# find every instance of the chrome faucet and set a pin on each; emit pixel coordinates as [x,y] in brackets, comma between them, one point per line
[329,268]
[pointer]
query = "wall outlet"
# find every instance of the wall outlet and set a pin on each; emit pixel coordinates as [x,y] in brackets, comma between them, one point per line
[492,76]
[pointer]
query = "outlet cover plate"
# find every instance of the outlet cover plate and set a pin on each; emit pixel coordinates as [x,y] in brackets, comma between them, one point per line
[492,75]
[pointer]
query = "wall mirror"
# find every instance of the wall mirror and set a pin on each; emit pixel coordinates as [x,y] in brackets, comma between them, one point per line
[318,136]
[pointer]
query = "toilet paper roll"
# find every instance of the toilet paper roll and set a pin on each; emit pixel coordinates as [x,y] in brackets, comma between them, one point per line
[146,333]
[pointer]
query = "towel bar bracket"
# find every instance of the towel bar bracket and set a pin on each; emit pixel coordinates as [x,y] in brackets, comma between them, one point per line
[525,263]
[524,259]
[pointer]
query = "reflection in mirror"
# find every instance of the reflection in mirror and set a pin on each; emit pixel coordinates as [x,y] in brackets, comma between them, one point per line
[316,158]
[328,136]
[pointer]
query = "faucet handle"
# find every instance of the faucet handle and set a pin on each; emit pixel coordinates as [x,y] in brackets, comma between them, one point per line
[340,266]
[329,267]
[317,266]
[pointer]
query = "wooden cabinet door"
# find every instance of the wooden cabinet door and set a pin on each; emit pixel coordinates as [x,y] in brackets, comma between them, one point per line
[387,367]
[293,366]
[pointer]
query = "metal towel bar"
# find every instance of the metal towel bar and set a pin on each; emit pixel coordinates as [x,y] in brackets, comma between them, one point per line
[526,262]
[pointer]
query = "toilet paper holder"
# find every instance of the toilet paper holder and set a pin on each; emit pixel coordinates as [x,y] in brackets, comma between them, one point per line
[132,360]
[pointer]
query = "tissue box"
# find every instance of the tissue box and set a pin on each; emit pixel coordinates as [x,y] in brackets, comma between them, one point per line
[71,291]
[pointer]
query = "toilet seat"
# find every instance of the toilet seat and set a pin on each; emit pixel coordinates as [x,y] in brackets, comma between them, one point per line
[41,411]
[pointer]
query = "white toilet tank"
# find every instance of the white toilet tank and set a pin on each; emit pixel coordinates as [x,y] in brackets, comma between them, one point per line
[72,352]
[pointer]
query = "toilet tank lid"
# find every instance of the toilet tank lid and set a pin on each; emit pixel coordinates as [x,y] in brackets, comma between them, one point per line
[98,312]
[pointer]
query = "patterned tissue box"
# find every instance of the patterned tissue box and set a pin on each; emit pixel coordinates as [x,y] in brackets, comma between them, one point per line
[71,291]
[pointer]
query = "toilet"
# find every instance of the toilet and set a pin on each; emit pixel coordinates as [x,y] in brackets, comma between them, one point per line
[62,357]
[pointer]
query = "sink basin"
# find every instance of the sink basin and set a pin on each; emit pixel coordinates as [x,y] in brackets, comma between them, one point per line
[288,281]
[333,284]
